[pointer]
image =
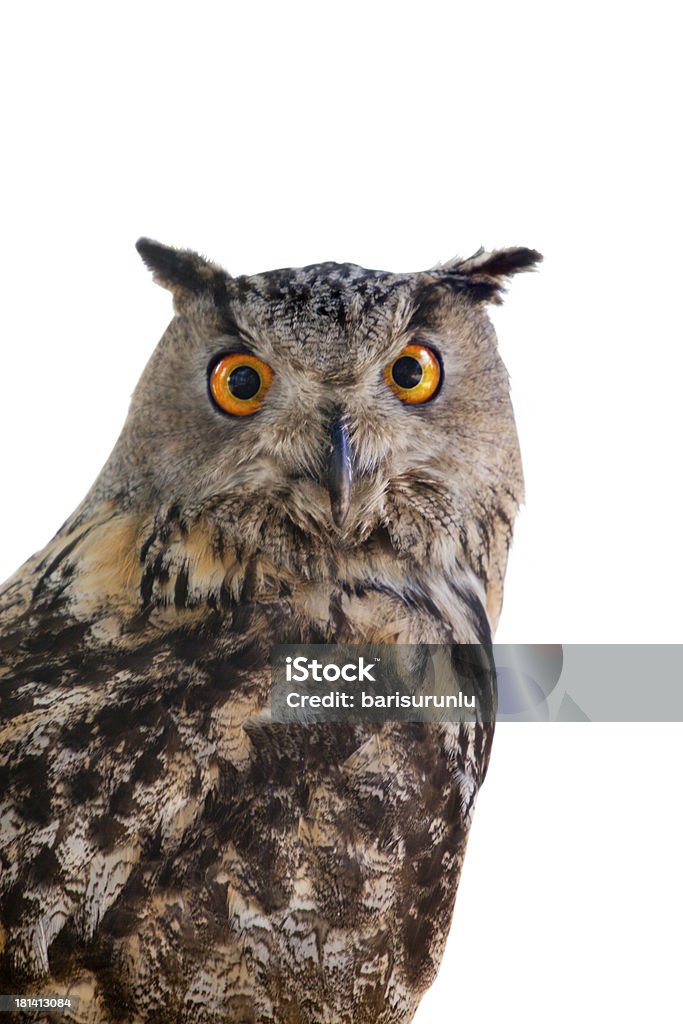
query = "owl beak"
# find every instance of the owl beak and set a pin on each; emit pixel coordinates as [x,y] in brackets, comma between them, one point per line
[339,471]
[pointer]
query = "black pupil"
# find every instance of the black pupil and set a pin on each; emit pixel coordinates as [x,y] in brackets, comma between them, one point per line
[244,382]
[407,372]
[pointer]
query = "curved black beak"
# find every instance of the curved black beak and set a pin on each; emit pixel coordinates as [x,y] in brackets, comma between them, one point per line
[339,471]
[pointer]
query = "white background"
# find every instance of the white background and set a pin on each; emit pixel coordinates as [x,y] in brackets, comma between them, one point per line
[395,137]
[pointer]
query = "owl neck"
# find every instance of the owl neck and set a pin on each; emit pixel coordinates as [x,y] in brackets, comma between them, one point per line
[171,571]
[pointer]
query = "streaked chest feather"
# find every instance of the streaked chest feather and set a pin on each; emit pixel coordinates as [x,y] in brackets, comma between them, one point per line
[197,852]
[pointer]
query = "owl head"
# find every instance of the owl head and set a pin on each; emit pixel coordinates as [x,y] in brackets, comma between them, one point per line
[342,405]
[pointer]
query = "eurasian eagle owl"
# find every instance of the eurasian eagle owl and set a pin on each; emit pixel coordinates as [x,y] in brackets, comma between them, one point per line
[319,455]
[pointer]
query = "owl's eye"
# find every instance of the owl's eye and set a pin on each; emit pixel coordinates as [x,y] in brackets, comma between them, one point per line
[239,382]
[415,375]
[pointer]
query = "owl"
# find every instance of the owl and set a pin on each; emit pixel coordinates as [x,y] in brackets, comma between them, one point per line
[321,455]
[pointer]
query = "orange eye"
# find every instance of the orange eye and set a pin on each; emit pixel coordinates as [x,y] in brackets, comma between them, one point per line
[239,382]
[415,375]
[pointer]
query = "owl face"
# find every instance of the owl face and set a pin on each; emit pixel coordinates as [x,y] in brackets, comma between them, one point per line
[340,400]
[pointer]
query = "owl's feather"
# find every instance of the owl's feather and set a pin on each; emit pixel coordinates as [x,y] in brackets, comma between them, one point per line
[167,851]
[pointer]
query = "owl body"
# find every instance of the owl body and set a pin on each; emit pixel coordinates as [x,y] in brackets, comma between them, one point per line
[168,851]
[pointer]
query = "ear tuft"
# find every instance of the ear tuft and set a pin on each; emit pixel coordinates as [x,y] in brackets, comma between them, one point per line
[183,272]
[484,275]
